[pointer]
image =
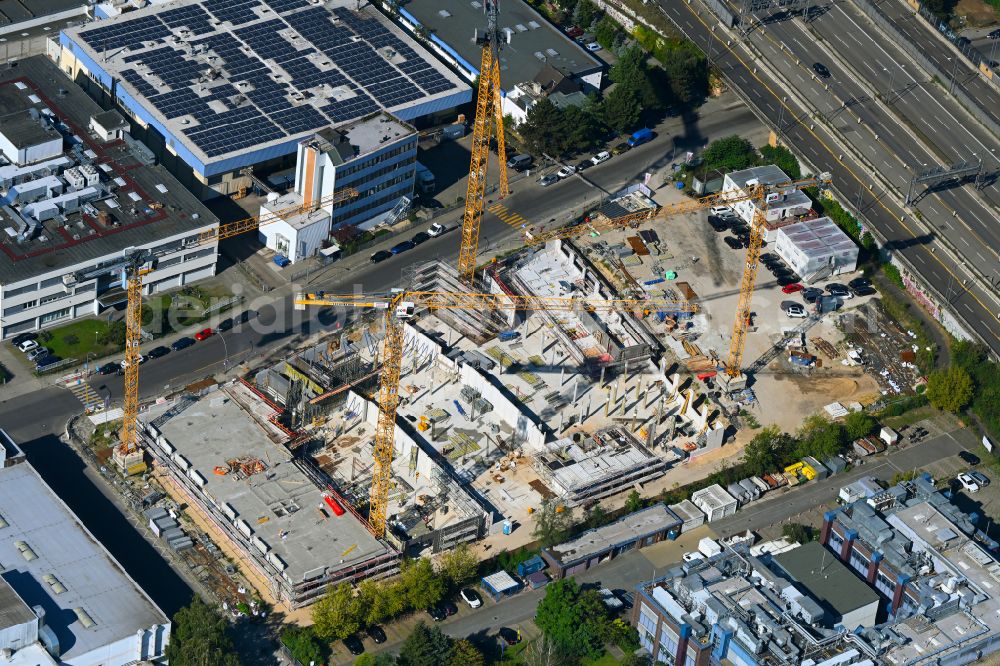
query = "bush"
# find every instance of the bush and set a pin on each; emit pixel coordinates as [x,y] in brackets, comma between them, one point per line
[782,158]
[797,532]
[70,340]
[893,274]
[303,644]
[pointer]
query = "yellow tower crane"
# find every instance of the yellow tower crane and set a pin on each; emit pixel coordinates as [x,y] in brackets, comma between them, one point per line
[488,120]
[761,195]
[138,262]
[400,306]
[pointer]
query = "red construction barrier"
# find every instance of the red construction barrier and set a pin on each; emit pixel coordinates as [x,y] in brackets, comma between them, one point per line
[334,506]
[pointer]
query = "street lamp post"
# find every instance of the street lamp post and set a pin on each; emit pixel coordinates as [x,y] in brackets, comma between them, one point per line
[225,347]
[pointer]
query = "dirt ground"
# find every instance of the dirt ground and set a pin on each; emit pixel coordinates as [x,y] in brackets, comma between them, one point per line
[976,13]
[788,398]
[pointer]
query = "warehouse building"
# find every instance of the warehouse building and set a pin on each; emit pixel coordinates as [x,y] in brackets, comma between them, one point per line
[63,598]
[535,52]
[214,87]
[76,192]
[816,249]
[376,156]
[780,208]
[636,530]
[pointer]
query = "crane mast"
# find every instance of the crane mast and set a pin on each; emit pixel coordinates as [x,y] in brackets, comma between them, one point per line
[488,120]
[392,355]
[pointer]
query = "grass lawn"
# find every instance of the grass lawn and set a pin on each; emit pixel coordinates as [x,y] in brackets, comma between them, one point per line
[607,659]
[910,417]
[77,339]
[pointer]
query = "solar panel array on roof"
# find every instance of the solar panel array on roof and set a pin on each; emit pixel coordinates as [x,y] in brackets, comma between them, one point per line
[239,73]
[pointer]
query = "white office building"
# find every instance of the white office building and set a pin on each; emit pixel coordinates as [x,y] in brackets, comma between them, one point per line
[781,208]
[816,249]
[75,199]
[375,156]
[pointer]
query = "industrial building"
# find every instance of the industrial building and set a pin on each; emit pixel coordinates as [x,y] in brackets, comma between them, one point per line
[215,87]
[534,46]
[226,454]
[77,191]
[816,249]
[635,530]
[63,597]
[780,209]
[845,598]
[740,609]
[376,156]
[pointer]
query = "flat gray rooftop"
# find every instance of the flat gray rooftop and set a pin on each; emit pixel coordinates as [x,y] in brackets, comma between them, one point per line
[534,41]
[280,500]
[39,77]
[39,522]
[633,526]
[826,578]
[13,611]
[18,11]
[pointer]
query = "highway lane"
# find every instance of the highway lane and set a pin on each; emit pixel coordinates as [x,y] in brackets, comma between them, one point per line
[918,32]
[882,138]
[973,303]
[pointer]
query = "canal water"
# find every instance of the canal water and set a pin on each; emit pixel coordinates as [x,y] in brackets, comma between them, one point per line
[63,470]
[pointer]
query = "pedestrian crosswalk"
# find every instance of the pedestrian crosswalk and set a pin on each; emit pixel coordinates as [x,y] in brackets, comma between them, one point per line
[511,218]
[85,393]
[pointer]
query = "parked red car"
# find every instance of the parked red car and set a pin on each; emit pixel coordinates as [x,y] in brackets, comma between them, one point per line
[204,334]
[792,288]
[574,32]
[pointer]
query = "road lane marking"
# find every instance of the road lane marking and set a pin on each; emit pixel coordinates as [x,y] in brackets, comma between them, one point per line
[962,238]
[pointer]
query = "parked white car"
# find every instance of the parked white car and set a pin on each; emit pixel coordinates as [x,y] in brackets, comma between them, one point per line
[968,483]
[795,311]
[600,157]
[566,171]
[27,346]
[436,230]
[471,597]
[720,210]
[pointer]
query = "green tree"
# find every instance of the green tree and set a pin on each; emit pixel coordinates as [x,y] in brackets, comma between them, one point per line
[582,128]
[687,71]
[632,73]
[380,601]
[605,32]
[421,586]
[199,637]
[584,14]
[574,620]
[782,158]
[819,437]
[458,565]
[765,452]
[633,502]
[552,523]
[425,646]
[949,389]
[858,424]
[337,614]
[637,660]
[731,152]
[596,516]
[797,532]
[464,653]
[621,109]
[543,129]
[622,634]
[380,659]
[303,644]
[115,335]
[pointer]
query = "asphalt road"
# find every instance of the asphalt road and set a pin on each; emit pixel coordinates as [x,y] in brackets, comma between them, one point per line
[844,35]
[279,324]
[917,30]
[972,302]
[792,501]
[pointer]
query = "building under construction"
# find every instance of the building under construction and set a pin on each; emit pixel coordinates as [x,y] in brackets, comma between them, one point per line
[227,455]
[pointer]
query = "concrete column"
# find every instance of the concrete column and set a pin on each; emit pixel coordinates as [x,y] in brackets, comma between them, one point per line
[680,657]
[576,387]
[845,548]
[607,402]
[824,533]
[590,400]
[603,369]
[897,594]
[873,567]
